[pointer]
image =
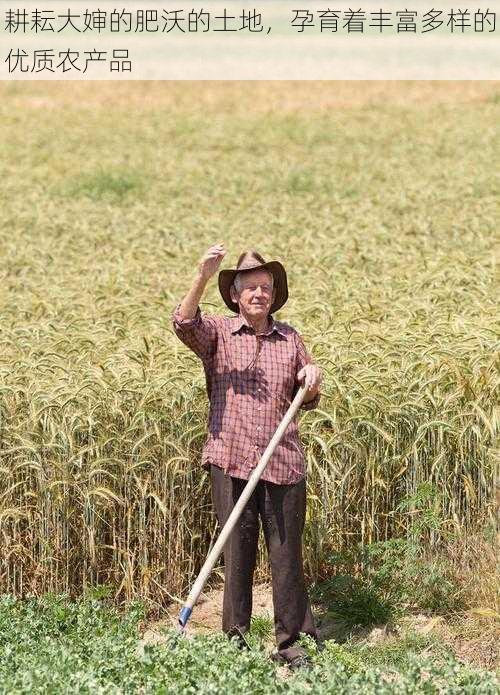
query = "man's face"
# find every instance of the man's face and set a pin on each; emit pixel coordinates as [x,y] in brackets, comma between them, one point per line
[256,294]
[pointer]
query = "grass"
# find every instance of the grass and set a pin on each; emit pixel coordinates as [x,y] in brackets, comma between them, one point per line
[56,645]
[261,629]
[382,200]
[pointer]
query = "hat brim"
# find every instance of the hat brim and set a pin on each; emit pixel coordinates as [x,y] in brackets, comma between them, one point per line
[280,284]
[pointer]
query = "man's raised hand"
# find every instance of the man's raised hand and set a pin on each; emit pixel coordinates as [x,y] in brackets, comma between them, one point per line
[211,261]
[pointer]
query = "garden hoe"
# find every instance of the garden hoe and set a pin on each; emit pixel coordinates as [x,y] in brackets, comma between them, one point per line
[214,554]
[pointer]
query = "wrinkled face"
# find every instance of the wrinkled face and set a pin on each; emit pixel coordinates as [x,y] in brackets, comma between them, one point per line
[255,294]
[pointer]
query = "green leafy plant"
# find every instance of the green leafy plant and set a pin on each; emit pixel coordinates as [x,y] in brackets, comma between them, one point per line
[56,645]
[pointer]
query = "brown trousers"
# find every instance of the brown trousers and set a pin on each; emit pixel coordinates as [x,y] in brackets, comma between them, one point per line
[282,509]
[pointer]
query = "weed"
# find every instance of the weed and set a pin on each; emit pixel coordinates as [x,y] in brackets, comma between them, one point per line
[261,628]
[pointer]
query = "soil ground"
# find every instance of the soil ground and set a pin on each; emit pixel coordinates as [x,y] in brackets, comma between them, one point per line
[474,641]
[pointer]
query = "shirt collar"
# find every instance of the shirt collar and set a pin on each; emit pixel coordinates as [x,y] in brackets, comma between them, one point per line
[239,321]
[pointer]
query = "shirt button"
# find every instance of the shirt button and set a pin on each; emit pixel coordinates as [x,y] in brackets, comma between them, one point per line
[259,390]
[259,427]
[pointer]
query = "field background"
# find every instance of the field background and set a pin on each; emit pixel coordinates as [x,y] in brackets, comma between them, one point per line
[382,199]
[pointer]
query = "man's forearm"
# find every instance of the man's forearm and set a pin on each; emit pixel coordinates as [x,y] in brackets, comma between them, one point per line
[189,305]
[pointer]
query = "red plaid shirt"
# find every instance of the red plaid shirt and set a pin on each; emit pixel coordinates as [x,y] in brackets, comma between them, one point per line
[251,381]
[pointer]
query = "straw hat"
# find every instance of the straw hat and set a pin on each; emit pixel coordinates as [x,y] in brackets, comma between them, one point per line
[251,260]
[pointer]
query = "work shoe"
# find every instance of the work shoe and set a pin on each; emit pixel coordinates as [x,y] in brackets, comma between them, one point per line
[241,642]
[301,661]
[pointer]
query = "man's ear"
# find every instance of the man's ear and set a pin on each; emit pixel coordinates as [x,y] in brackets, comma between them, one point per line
[234,295]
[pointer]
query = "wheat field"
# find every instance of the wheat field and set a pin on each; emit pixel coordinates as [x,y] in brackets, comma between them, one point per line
[382,200]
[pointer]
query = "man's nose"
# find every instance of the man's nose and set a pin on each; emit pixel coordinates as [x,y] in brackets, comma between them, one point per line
[258,291]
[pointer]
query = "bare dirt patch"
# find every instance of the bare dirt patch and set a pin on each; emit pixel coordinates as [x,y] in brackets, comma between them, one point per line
[474,639]
[207,614]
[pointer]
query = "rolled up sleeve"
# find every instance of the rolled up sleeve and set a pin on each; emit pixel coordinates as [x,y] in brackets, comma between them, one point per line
[199,334]
[303,358]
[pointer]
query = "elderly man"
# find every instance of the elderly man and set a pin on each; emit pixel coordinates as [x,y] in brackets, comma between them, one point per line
[253,368]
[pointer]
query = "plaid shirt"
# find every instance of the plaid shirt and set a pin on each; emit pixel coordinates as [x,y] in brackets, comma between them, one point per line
[251,381]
